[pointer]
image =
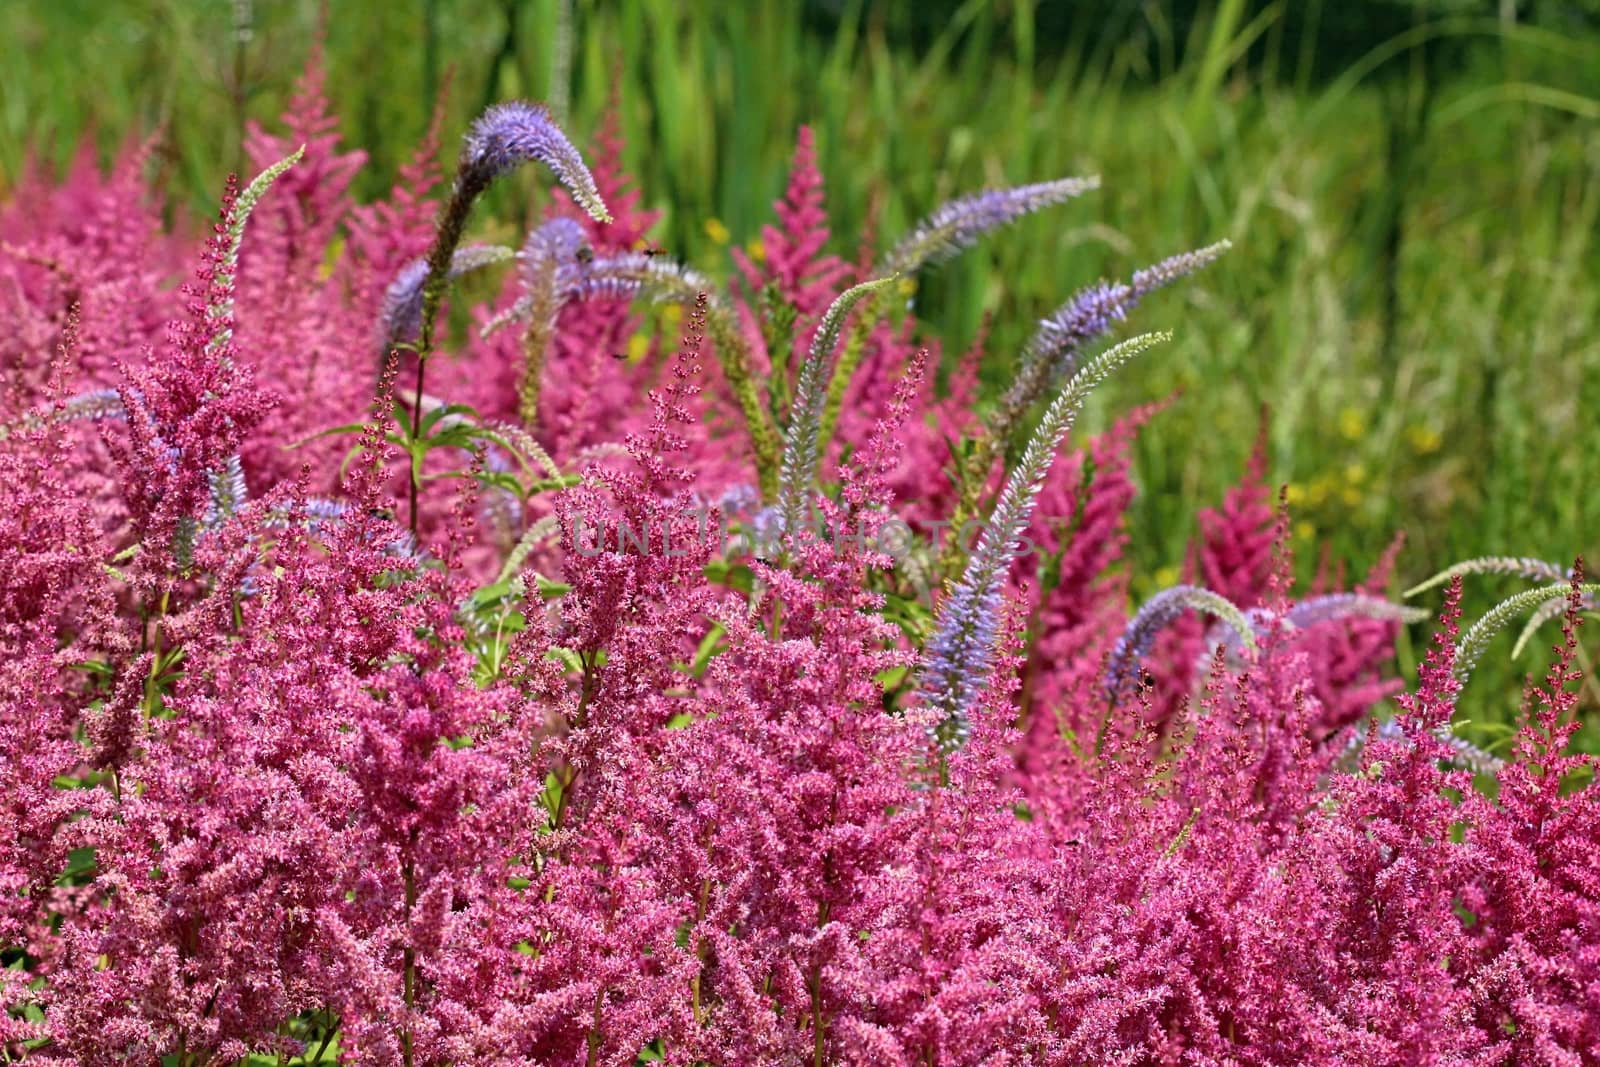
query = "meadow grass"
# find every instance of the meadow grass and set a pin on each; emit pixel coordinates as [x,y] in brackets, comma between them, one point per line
[1429,376]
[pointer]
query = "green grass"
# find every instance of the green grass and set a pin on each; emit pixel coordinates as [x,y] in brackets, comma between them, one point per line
[1442,391]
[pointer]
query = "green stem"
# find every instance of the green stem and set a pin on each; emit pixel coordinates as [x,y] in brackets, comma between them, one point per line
[407,1052]
[327,1039]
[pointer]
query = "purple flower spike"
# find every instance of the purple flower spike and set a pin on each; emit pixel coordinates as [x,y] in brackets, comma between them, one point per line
[958,224]
[508,135]
[402,302]
[552,247]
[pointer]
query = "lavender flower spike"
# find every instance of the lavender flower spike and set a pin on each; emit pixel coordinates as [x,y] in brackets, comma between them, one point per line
[548,264]
[1330,606]
[1154,615]
[402,302]
[1092,312]
[957,225]
[220,315]
[1550,609]
[1476,640]
[631,275]
[504,137]
[508,135]
[811,392]
[549,267]
[960,653]
[1518,566]
[1159,275]
[228,493]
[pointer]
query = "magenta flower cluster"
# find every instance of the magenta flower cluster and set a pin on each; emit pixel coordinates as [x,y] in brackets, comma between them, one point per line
[325,735]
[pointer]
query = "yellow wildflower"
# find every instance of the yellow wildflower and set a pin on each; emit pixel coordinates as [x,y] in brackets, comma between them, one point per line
[717,231]
[1423,439]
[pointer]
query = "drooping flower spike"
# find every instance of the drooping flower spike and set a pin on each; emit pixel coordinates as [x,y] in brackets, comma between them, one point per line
[801,446]
[1307,613]
[1154,615]
[1545,613]
[401,317]
[1476,640]
[1520,567]
[957,225]
[502,139]
[1061,337]
[960,654]
[220,312]
[511,134]
[1514,566]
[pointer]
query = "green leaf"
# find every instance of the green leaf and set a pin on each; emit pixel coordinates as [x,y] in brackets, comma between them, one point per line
[349,427]
[710,645]
[734,575]
[550,590]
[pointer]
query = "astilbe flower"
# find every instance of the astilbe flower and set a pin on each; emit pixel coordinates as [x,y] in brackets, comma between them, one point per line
[387,234]
[1537,907]
[1235,552]
[300,829]
[235,826]
[90,247]
[188,412]
[57,609]
[1384,867]
[793,260]
[1234,558]
[644,795]
[777,799]
[634,608]
[300,221]
[1346,653]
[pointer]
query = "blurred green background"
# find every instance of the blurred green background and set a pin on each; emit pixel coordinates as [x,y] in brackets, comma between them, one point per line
[1412,187]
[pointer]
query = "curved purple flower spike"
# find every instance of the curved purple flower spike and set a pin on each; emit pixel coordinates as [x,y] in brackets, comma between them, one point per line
[508,135]
[504,137]
[401,317]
